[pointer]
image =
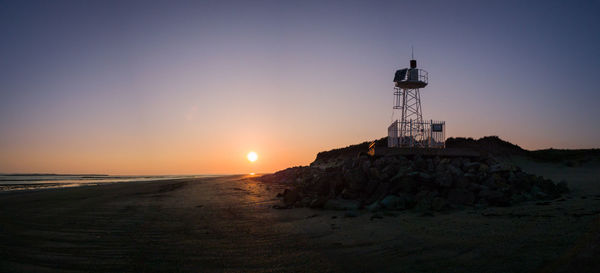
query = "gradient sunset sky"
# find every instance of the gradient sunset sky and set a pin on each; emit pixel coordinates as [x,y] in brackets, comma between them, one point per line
[178,87]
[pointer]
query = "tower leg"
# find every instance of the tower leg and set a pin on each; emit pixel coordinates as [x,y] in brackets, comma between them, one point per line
[411,126]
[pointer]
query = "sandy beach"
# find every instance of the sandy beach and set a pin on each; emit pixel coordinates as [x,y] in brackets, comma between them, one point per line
[227,224]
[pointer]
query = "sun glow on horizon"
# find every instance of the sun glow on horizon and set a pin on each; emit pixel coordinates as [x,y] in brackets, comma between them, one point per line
[252,156]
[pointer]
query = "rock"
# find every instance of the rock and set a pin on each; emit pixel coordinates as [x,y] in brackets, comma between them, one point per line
[518,198]
[456,162]
[340,204]
[490,182]
[405,184]
[374,207]
[371,186]
[391,169]
[399,175]
[374,174]
[512,178]
[438,204]
[475,188]
[501,167]
[430,165]
[423,205]
[461,197]
[443,179]
[562,187]
[381,191]
[392,182]
[290,196]
[463,181]
[424,200]
[472,166]
[348,164]
[318,202]
[392,202]
[365,165]
[355,179]
[420,163]
[305,201]
[537,193]
[349,194]
[380,162]
[456,171]
[441,167]
[425,177]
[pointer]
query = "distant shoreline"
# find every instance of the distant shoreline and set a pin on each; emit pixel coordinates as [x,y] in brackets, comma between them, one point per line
[80,181]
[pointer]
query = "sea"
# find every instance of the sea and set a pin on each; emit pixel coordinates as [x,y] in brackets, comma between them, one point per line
[11,182]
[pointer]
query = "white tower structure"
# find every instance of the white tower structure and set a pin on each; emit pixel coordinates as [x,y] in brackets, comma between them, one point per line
[411,130]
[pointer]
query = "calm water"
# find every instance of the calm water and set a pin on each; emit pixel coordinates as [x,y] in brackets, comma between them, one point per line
[37,181]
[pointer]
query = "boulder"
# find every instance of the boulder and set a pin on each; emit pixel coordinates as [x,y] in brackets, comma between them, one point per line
[562,187]
[425,177]
[371,186]
[404,184]
[355,179]
[438,204]
[318,202]
[538,193]
[375,174]
[382,190]
[392,182]
[365,165]
[456,171]
[375,206]
[420,163]
[443,179]
[393,202]
[463,181]
[350,194]
[290,196]
[392,169]
[501,167]
[471,166]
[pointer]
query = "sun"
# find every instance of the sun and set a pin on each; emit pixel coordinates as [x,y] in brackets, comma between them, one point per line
[252,156]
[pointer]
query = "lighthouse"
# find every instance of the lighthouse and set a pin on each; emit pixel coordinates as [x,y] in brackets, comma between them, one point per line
[411,130]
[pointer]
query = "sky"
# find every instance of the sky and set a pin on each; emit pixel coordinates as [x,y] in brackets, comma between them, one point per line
[178,87]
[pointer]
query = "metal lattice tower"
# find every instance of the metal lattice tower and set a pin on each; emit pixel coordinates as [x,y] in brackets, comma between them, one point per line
[409,130]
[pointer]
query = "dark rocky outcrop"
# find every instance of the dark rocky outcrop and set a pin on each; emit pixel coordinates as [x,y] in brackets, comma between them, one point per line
[410,182]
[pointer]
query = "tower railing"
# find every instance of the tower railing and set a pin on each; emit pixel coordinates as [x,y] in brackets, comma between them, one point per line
[415,74]
[431,134]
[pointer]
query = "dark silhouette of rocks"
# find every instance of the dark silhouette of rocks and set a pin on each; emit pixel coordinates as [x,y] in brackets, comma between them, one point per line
[350,179]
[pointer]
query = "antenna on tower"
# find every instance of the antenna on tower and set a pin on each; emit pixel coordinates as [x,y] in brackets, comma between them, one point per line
[412,52]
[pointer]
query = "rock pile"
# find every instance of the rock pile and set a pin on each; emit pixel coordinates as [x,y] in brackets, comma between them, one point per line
[398,182]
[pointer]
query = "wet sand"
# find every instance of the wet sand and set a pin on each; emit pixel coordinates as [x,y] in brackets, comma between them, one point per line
[228,225]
